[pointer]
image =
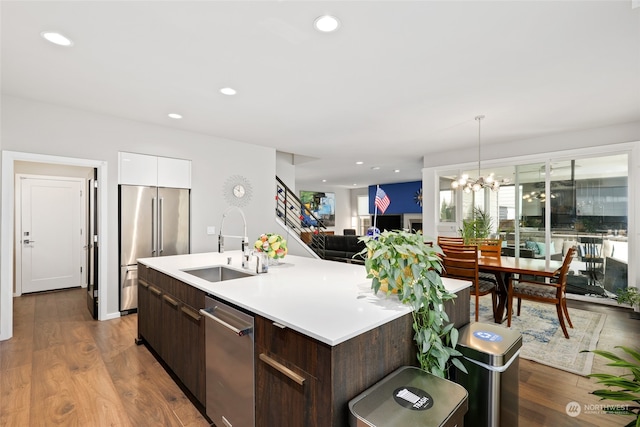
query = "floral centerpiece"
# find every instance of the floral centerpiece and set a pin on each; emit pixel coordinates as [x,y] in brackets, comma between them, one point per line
[273,244]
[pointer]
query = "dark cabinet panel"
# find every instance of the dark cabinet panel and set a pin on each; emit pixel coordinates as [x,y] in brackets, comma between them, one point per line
[314,381]
[170,323]
[296,390]
[191,352]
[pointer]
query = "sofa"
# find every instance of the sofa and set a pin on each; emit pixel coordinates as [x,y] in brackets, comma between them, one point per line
[338,247]
[532,246]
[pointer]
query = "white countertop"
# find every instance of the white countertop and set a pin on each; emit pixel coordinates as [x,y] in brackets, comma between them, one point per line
[326,300]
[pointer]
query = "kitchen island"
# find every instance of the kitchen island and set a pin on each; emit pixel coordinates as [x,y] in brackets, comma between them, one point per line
[316,319]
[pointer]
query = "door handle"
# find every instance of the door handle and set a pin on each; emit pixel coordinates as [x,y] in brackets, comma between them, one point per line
[242,330]
[161,223]
[153,226]
[283,369]
[27,241]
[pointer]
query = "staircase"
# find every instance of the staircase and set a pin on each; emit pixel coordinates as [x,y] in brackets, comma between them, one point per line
[298,219]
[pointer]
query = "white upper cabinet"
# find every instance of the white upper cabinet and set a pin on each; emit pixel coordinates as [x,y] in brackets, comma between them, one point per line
[175,173]
[138,169]
[143,169]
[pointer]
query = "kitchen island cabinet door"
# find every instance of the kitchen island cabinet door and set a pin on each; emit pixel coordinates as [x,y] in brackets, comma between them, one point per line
[170,344]
[303,382]
[295,368]
[144,323]
[154,333]
[191,352]
[285,394]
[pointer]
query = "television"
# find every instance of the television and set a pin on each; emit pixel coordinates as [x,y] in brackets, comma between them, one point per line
[388,222]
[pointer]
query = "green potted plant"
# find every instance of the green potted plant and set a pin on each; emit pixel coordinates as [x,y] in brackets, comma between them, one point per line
[630,296]
[477,227]
[626,386]
[402,263]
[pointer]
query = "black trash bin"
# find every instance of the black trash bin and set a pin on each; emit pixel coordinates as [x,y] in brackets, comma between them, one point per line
[409,397]
[491,356]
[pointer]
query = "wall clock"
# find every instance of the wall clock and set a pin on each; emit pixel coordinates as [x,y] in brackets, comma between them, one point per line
[237,190]
[418,197]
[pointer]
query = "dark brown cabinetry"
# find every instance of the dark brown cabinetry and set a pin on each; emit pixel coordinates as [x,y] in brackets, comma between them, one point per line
[170,323]
[313,381]
[299,381]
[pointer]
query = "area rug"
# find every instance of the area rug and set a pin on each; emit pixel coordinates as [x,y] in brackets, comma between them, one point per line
[542,337]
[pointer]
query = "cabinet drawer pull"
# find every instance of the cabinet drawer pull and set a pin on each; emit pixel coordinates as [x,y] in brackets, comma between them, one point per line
[191,313]
[279,325]
[143,283]
[283,369]
[170,300]
[155,290]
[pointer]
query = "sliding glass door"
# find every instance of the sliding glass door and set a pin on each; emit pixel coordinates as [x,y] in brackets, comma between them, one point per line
[549,206]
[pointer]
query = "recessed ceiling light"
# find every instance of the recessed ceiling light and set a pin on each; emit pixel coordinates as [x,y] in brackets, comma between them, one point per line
[375,168]
[326,23]
[355,185]
[359,163]
[324,180]
[56,38]
[397,170]
[175,116]
[228,91]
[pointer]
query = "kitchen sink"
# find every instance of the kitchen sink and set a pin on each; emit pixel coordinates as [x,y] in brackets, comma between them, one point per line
[218,273]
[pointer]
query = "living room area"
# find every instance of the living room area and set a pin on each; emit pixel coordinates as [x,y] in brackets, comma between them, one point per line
[544,208]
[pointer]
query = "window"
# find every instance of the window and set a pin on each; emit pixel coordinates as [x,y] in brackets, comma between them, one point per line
[551,205]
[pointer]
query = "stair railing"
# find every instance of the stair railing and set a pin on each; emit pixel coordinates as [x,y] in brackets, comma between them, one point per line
[298,218]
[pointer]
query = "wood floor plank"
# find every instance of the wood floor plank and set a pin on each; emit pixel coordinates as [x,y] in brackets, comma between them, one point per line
[101,403]
[17,351]
[15,394]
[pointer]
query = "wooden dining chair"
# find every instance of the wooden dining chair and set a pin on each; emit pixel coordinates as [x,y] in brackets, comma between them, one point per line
[452,240]
[552,292]
[461,262]
[488,247]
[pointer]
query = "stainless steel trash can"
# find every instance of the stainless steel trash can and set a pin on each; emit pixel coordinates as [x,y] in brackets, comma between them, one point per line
[409,397]
[491,356]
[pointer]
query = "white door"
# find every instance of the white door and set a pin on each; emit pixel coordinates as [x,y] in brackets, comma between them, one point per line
[50,234]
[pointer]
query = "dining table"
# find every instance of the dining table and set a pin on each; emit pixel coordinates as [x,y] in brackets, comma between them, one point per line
[505,267]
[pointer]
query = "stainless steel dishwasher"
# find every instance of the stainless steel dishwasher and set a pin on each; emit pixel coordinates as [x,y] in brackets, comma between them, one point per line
[230,389]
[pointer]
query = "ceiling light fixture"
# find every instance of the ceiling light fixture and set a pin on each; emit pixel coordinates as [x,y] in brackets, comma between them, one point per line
[375,168]
[396,170]
[469,184]
[359,162]
[228,91]
[326,23]
[175,116]
[56,38]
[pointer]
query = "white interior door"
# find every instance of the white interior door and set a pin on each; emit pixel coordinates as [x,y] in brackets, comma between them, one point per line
[51,233]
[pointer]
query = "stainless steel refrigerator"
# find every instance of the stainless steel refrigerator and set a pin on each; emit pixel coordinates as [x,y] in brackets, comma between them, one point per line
[153,221]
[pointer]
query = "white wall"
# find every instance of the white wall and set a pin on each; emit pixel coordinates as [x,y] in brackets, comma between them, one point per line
[286,170]
[596,137]
[33,127]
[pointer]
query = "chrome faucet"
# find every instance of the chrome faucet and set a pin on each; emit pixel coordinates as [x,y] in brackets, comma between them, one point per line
[243,239]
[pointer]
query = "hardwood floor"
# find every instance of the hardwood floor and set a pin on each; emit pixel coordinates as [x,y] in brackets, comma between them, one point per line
[62,368]
[545,392]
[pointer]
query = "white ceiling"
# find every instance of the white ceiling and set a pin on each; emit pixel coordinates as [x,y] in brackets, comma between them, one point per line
[397,81]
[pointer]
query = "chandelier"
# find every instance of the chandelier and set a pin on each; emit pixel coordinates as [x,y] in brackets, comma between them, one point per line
[468,184]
